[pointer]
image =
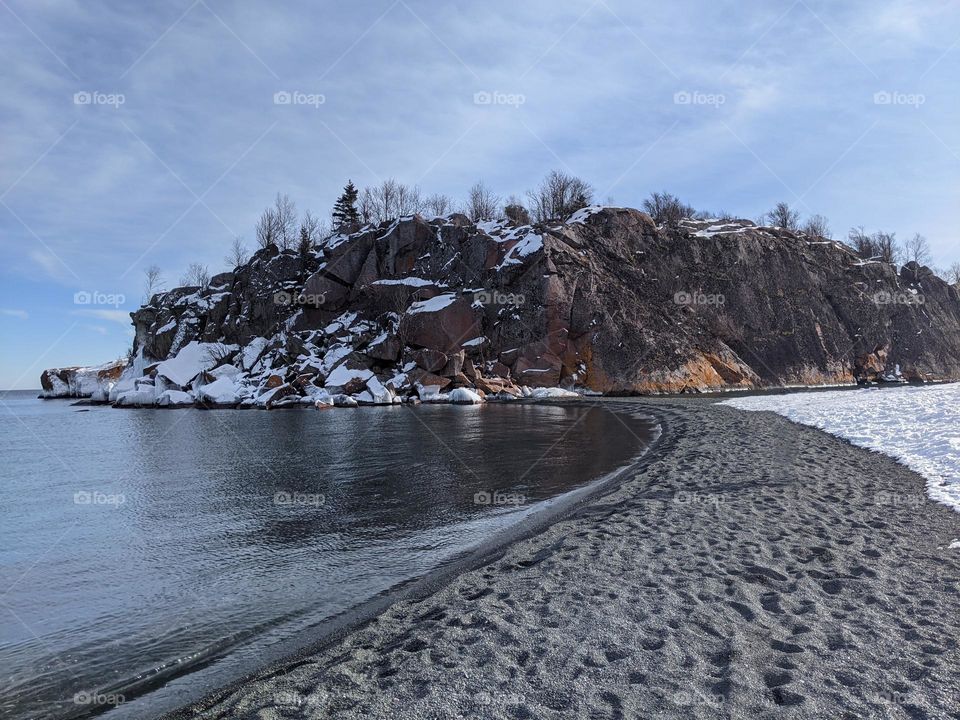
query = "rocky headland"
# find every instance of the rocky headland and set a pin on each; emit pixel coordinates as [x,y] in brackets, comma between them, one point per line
[444,309]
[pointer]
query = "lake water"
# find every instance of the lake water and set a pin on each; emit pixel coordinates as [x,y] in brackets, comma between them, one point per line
[148,557]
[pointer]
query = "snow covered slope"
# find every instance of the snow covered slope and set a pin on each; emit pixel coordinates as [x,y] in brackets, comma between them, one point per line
[919,426]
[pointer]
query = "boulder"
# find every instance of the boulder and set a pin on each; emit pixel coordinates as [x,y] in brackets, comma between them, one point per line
[440,323]
[429,360]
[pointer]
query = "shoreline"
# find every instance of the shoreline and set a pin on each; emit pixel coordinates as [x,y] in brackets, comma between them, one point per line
[335,629]
[745,567]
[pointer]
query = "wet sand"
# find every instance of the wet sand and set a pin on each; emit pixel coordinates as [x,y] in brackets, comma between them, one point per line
[747,567]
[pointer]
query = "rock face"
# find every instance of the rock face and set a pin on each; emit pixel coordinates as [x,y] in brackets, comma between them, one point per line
[79,381]
[605,301]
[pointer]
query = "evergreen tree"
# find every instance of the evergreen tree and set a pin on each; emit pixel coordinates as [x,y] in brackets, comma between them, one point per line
[345,215]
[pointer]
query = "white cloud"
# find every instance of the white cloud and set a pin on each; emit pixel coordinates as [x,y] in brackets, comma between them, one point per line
[22,314]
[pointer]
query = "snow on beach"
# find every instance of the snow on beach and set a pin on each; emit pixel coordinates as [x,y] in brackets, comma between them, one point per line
[919,426]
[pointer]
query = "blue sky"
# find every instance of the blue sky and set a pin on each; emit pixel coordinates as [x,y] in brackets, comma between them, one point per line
[845,109]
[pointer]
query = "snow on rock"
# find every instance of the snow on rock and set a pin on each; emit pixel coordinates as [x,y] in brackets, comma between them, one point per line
[222,391]
[192,359]
[225,371]
[430,394]
[252,352]
[919,426]
[552,392]
[464,396]
[375,394]
[434,304]
[342,375]
[174,398]
[408,282]
[581,215]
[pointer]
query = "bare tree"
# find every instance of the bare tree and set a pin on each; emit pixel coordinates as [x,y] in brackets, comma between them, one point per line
[238,253]
[438,204]
[196,275]
[558,196]
[267,232]
[917,250]
[885,247]
[817,226]
[153,282]
[482,204]
[861,243]
[783,217]
[309,234]
[953,274]
[515,212]
[388,200]
[667,209]
[285,213]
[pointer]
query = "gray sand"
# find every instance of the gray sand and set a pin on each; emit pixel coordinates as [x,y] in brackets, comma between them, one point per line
[750,568]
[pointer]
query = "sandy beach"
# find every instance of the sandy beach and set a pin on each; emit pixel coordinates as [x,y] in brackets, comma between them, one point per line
[747,567]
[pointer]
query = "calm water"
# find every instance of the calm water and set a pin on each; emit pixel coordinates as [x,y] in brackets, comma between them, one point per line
[157,555]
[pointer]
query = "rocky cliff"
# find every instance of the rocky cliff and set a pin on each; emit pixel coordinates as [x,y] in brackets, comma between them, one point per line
[605,302]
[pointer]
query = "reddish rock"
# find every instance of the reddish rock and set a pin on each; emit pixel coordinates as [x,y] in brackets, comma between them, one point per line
[274,381]
[443,329]
[454,365]
[429,360]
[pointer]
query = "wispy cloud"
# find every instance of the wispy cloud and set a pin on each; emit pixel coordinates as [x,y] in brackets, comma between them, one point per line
[121,317]
[21,314]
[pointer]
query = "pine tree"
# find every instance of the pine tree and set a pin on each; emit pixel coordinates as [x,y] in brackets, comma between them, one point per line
[345,215]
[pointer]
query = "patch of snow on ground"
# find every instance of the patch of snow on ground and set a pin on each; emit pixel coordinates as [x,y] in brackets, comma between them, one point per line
[919,426]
